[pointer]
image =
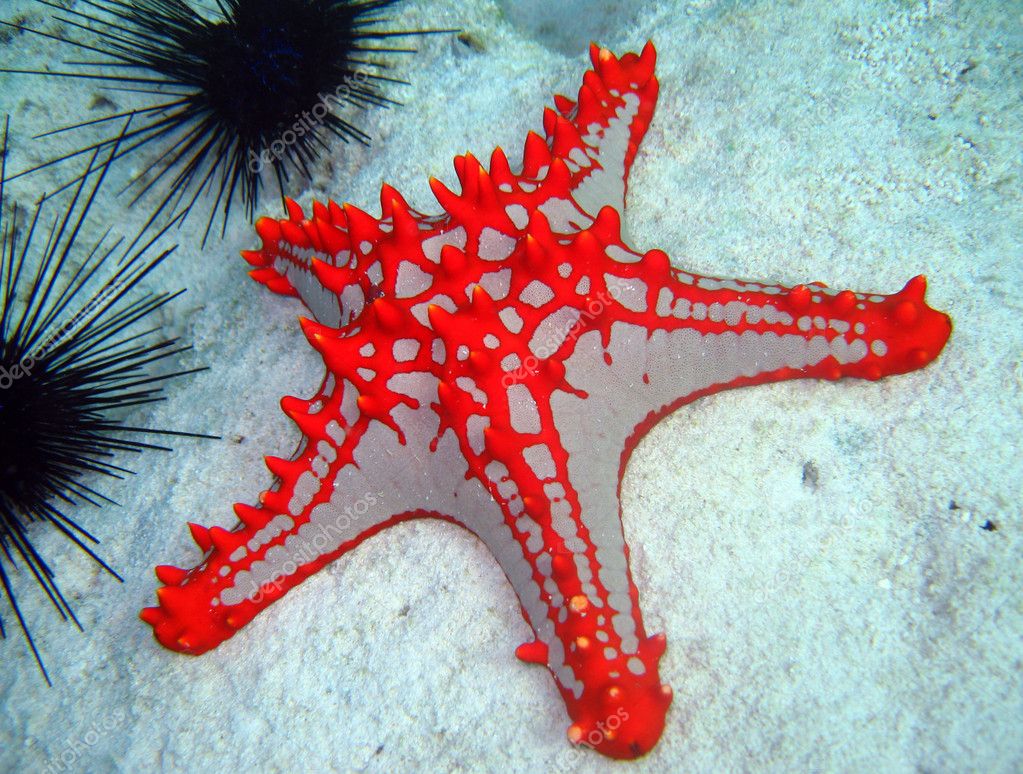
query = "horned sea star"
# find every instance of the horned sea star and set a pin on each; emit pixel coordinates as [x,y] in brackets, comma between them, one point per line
[494,366]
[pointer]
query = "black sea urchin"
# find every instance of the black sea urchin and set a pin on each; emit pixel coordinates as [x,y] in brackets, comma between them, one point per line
[253,86]
[72,357]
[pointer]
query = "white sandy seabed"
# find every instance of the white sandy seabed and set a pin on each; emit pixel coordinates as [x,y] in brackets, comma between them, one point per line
[815,552]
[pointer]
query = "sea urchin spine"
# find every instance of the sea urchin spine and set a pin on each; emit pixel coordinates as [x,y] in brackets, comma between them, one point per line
[255,85]
[72,359]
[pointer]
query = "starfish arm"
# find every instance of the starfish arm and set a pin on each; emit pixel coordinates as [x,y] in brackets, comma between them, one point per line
[571,574]
[645,337]
[598,135]
[560,539]
[370,458]
[579,166]
[670,336]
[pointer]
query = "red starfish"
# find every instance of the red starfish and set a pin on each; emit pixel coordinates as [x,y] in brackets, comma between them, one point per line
[495,366]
